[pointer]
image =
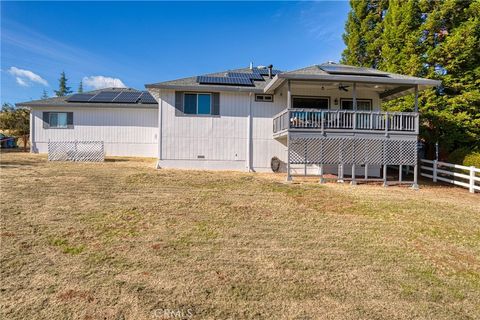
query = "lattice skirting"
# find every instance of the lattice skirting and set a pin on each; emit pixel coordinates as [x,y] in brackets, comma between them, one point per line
[86,151]
[352,150]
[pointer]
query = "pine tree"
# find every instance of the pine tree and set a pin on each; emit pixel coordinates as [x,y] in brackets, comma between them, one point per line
[80,87]
[63,89]
[44,94]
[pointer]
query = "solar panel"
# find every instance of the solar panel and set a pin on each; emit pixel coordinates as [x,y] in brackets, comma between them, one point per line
[147,98]
[225,80]
[253,76]
[105,96]
[80,97]
[357,71]
[264,72]
[128,97]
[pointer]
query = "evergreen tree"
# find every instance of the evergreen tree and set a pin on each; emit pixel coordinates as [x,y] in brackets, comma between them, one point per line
[80,87]
[63,89]
[44,94]
[363,32]
[434,39]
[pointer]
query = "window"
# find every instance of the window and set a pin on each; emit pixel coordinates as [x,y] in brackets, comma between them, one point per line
[59,120]
[264,97]
[362,104]
[310,102]
[197,103]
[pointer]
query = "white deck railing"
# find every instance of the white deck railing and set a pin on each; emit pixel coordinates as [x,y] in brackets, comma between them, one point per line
[346,120]
[467,177]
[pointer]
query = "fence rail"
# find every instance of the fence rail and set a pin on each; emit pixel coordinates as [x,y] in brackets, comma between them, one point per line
[346,120]
[463,176]
[81,151]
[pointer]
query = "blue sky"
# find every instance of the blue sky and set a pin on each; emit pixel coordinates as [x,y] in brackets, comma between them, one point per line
[134,43]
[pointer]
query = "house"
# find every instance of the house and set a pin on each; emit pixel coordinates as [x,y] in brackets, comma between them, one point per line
[315,120]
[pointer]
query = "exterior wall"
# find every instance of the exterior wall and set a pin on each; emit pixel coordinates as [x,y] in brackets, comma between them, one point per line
[220,142]
[125,131]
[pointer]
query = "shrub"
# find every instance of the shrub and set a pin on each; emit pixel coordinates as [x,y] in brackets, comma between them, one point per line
[472,159]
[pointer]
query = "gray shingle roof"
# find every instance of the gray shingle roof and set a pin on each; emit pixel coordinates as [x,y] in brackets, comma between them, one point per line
[191,83]
[62,101]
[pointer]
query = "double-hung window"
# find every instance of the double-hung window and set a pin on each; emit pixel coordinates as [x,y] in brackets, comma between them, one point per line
[197,103]
[58,120]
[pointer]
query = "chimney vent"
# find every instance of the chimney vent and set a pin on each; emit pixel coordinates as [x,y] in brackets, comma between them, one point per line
[270,69]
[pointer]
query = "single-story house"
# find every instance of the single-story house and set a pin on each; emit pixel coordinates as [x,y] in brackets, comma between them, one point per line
[310,121]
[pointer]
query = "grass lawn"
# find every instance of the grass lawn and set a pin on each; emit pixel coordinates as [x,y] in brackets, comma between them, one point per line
[121,240]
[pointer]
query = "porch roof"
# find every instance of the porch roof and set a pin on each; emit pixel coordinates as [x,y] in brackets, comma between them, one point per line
[402,84]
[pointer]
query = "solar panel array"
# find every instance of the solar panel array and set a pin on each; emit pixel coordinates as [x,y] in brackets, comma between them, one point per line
[80,97]
[225,80]
[237,78]
[108,96]
[356,71]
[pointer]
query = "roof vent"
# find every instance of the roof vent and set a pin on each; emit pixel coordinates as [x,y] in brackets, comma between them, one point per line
[251,65]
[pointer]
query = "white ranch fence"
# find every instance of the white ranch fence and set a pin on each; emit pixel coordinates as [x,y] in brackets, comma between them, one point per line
[78,151]
[467,177]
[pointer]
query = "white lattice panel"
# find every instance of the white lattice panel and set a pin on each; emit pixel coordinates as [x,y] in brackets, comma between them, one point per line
[85,151]
[348,150]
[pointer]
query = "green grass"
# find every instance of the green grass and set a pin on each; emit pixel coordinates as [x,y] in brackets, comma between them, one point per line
[123,240]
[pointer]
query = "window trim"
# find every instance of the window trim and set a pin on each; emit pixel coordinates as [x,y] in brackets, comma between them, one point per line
[351,99]
[57,113]
[318,97]
[196,107]
[257,95]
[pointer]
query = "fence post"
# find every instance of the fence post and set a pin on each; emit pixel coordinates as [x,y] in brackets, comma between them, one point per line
[472,180]
[434,171]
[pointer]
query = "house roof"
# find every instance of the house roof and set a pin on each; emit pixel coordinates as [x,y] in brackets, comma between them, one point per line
[323,72]
[144,100]
[346,73]
[191,83]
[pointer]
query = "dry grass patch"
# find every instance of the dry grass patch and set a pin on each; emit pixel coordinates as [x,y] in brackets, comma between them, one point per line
[121,240]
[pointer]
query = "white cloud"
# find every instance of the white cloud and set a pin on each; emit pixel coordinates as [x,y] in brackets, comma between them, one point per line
[25,76]
[21,82]
[100,82]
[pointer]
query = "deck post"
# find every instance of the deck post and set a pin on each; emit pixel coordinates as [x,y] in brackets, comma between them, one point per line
[400,173]
[415,177]
[289,95]
[384,175]
[340,173]
[416,98]
[320,169]
[353,182]
[366,171]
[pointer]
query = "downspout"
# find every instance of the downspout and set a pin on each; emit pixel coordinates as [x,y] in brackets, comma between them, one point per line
[32,131]
[248,160]
[160,124]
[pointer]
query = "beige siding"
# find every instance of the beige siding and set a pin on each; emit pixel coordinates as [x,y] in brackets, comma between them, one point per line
[125,131]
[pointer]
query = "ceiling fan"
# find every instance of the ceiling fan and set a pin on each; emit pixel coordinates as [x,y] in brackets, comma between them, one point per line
[343,87]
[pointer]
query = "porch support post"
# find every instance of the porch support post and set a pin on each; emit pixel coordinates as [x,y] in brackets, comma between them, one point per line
[384,175]
[289,177]
[320,169]
[340,173]
[366,171]
[416,98]
[353,182]
[415,177]
[354,98]
[289,95]
[400,173]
